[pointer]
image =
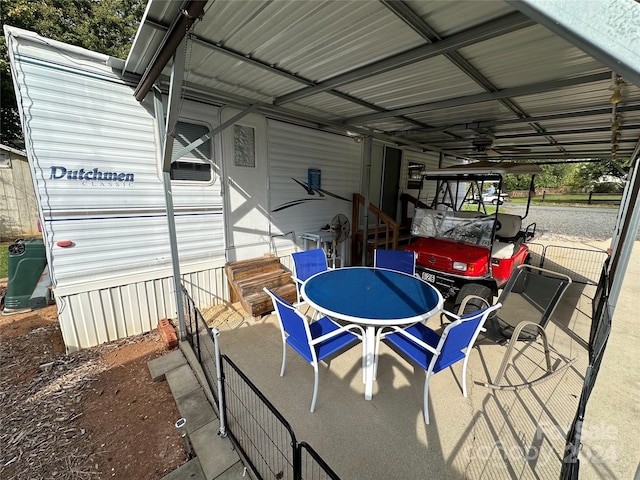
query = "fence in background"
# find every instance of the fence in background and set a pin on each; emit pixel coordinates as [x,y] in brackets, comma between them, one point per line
[582,265]
[259,432]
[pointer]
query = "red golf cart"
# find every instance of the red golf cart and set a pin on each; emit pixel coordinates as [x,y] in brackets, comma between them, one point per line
[464,248]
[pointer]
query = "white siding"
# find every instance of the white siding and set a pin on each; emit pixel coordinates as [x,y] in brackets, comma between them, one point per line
[292,151]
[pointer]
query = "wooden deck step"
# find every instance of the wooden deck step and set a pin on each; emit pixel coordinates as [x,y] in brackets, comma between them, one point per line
[247,278]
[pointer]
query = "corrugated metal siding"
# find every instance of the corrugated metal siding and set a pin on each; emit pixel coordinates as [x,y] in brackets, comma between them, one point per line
[103,315]
[18,207]
[292,151]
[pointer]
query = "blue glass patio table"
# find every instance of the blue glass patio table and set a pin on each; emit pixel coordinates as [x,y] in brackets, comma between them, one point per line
[373,298]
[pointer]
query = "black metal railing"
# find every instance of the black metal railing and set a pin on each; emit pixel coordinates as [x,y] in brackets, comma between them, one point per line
[582,265]
[259,431]
[202,343]
[312,467]
[261,435]
[600,329]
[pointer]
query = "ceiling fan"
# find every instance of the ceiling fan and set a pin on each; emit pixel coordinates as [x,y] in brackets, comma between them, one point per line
[483,146]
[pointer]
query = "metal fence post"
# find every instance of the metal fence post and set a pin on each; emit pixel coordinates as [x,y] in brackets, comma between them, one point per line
[215,333]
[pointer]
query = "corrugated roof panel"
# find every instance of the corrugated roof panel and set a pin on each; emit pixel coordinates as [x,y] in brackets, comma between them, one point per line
[523,57]
[314,39]
[217,70]
[464,114]
[318,40]
[420,82]
[566,98]
[448,18]
[388,124]
[331,106]
[577,122]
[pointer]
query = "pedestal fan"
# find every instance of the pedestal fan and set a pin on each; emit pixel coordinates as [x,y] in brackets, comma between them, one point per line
[339,228]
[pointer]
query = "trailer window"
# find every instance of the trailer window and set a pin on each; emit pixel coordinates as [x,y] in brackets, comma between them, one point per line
[194,165]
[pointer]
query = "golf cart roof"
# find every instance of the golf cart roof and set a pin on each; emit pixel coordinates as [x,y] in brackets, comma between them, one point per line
[483,170]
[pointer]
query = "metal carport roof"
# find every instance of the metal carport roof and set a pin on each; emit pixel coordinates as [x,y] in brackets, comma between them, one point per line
[467,78]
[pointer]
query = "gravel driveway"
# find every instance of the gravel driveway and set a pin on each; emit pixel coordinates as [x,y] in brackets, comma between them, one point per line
[592,223]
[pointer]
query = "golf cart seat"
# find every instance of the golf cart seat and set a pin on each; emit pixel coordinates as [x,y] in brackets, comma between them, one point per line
[508,226]
[508,235]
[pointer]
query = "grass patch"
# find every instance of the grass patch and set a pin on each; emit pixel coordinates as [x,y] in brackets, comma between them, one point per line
[4,261]
[491,209]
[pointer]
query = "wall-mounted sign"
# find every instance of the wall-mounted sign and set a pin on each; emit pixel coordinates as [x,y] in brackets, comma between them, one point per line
[313,180]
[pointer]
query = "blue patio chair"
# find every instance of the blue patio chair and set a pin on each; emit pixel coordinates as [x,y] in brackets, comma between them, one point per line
[397,260]
[433,352]
[315,342]
[306,264]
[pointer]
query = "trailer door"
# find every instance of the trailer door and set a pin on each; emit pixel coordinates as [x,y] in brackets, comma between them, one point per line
[245,174]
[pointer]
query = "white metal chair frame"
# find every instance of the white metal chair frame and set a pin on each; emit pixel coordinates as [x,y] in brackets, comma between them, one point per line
[437,350]
[313,343]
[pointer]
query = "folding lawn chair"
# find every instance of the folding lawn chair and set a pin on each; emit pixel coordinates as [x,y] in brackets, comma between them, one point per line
[528,300]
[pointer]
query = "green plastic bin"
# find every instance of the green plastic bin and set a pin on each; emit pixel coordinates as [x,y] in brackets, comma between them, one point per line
[27,260]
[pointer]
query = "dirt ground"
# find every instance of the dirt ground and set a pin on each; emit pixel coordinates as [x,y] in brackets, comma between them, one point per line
[94,414]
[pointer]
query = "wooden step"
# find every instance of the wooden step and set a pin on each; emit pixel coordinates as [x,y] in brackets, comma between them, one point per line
[251,285]
[247,278]
[261,302]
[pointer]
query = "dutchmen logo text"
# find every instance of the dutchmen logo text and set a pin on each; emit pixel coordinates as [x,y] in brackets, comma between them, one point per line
[92,177]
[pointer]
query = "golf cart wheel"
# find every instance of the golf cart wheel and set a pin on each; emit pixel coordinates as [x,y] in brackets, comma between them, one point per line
[473,304]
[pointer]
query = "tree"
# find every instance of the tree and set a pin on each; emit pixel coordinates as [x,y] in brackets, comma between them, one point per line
[105,26]
[551,176]
[587,174]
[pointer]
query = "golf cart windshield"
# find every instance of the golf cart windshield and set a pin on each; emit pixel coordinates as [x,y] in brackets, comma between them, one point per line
[468,227]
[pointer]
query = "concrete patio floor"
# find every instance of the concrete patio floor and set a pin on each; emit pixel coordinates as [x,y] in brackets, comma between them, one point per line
[491,434]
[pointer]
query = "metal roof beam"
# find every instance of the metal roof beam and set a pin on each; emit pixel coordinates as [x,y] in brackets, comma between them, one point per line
[408,16]
[635,155]
[483,97]
[173,37]
[485,31]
